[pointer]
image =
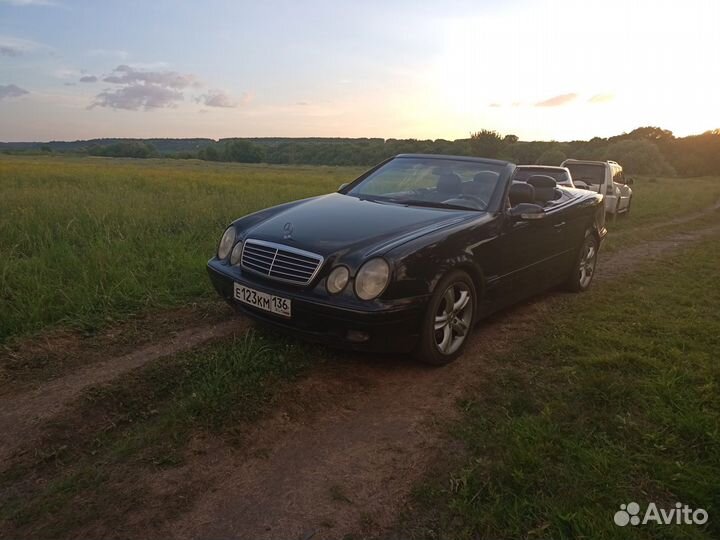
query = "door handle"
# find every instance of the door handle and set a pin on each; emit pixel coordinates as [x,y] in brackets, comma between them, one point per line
[559,225]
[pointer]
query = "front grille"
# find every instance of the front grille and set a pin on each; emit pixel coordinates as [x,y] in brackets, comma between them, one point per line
[283,263]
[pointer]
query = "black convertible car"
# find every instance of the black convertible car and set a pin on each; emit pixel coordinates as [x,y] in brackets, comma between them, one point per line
[408,256]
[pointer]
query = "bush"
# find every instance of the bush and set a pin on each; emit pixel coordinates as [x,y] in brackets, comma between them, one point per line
[486,143]
[135,149]
[242,152]
[639,156]
[553,156]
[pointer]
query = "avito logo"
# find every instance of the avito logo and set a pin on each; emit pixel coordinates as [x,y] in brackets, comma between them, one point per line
[681,514]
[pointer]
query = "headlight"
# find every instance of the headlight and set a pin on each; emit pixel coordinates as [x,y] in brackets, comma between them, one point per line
[372,278]
[337,280]
[226,243]
[236,252]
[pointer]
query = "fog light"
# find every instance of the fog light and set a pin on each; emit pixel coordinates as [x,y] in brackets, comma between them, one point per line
[356,336]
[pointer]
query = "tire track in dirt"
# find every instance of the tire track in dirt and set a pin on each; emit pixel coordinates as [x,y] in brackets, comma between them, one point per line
[22,415]
[351,466]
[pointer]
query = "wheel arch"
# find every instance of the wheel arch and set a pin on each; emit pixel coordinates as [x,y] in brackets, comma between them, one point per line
[469,267]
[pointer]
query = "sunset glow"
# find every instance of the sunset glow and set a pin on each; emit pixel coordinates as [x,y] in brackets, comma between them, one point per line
[541,70]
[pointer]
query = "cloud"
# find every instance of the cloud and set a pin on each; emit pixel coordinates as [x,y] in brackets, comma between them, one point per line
[11,91]
[220,98]
[601,98]
[557,101]
[140,89]
[11,46]
[138,96]
[217,98]
[125,74]
[8,50]
[88,79]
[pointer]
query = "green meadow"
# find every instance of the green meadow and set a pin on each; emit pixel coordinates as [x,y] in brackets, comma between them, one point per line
[85,241]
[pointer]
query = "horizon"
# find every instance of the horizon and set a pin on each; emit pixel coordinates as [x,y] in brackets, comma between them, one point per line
[73,70]
[269,137]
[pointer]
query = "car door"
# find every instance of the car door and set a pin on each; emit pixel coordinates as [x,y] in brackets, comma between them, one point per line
[623,190]
[555,248]
[526,248]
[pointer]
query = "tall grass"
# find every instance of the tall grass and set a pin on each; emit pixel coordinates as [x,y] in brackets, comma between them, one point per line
[84,241]
[87,240]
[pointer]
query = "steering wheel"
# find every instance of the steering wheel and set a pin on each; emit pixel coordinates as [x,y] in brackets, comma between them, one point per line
[478,200]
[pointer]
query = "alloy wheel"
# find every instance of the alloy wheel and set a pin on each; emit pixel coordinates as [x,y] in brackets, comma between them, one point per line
[453,318]
[587,263]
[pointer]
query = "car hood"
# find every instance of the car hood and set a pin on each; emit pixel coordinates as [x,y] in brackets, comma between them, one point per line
[339,223]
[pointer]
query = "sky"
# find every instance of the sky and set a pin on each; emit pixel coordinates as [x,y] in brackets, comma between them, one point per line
[560,70]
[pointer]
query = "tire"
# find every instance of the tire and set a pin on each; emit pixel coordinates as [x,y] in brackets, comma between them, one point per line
[627,210]
[584,268]
[441,343]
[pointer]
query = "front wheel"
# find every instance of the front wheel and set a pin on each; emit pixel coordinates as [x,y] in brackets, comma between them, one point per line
[584,268]
[448,320]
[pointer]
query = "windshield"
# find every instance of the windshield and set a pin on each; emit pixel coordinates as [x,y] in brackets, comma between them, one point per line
[521,175]
[590,173]
[438,182]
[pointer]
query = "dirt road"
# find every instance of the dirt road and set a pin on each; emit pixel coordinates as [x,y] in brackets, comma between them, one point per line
[350,468]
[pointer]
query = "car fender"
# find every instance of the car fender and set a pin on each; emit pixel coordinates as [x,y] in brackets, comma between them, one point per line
[448,250]
[466,264]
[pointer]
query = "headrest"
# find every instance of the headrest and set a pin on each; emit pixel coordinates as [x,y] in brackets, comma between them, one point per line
[449,183]
[474,188]
[541,181]
[520,192]
[485,176]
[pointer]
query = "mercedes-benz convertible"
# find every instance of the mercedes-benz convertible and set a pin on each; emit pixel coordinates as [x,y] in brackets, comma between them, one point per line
[407,257]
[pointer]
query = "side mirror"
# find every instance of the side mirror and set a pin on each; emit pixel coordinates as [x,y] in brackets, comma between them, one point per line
[342,186]
[527,211]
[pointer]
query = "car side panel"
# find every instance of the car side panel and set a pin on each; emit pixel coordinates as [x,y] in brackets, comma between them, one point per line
[525,252]
[511,260]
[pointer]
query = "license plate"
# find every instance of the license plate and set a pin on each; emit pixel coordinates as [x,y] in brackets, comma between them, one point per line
[267,302]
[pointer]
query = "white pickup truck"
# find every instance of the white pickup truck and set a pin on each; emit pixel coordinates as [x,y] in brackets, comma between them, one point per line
[604,177]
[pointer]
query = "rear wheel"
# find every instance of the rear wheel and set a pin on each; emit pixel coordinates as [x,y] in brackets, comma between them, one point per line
[448,320]
[584,268]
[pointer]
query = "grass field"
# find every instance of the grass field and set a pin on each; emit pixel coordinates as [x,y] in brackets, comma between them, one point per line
[87,241]
[615,401]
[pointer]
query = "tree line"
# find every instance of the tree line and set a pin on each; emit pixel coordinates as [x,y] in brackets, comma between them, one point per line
[645,150]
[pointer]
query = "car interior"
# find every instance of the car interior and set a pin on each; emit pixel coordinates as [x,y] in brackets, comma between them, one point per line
[538,189]
[451,189]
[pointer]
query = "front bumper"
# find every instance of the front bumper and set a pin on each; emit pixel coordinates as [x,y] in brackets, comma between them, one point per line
[396,329]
